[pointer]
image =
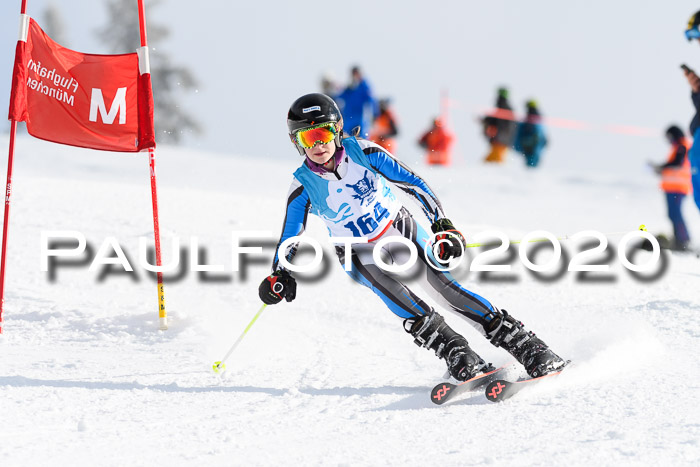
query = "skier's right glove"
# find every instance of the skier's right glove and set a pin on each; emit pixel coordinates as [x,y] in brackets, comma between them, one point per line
[278,285]
[451,243]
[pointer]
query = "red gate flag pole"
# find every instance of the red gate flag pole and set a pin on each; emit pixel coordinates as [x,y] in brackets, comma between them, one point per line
[6,220]
[10,160]
[145,79]
[102,102]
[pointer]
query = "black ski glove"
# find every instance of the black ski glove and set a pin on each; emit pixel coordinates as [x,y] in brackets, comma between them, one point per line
[278,285]
[453,243]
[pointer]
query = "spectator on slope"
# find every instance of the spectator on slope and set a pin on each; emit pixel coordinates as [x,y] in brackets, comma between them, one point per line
[530,138]
[357,104]
[499,128]
[384,130]
[349,183]
[437,142]
[675,182]
[329,86]
[693,32]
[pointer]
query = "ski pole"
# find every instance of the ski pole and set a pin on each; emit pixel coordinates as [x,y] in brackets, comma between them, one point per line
[220,366]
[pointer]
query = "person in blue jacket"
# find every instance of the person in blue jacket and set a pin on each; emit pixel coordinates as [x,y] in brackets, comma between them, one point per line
[693,32]
[349,183]
[530,138]
[357,104]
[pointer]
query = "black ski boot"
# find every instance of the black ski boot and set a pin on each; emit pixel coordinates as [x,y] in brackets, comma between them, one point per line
[528,349]
[431,332]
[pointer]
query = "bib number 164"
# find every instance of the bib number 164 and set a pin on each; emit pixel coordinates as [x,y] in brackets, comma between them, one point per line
[367,223]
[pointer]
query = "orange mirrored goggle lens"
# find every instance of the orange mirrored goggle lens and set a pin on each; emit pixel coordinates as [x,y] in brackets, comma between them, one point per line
[321,134]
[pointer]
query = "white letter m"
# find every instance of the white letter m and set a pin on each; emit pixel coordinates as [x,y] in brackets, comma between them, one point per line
[97,102]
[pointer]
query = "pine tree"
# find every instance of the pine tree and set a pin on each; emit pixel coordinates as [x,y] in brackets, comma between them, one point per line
[170,81]
[53,24]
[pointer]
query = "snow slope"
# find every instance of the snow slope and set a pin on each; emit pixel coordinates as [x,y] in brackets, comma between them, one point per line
[330,379]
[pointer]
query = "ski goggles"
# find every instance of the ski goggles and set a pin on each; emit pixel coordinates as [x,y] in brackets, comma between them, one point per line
[693,33]
[308,137]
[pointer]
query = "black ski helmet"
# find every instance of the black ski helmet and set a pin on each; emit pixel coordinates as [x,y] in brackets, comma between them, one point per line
[310,110]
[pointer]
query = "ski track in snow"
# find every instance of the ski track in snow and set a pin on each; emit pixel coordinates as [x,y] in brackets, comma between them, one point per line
[330,379]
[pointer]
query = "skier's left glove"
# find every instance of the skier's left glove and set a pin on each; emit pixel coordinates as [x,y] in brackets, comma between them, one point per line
[278,285]
[452,243]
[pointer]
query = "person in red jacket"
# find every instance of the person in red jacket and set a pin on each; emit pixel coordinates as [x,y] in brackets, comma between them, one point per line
[438,143]
[384,130]
[676,183]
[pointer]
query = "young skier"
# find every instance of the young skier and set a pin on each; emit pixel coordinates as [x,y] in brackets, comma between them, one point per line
[349,183]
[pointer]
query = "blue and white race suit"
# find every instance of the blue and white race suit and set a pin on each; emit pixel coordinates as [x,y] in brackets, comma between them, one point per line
[357,200]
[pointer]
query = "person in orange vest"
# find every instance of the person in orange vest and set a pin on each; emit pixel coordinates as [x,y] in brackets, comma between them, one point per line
[384,129]
[438,144]
[676,183]
[499,128]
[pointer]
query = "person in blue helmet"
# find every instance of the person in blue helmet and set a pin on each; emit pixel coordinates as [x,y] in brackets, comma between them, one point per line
[530,138]
[350,184]
[692,32]
[358,105]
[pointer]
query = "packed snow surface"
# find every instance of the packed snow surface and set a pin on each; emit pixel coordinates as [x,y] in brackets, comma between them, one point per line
[86,377]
